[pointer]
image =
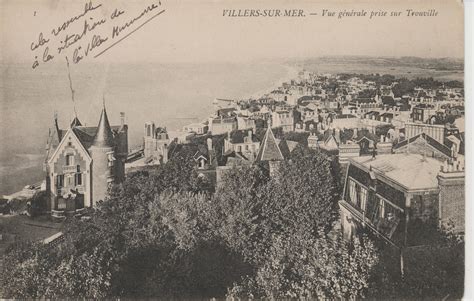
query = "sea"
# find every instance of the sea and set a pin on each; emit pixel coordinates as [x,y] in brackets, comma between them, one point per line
[171,95]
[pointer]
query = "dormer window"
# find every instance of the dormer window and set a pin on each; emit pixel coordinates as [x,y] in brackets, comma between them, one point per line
[111,159]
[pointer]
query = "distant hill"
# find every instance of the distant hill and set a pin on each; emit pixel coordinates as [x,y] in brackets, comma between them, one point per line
[441,64]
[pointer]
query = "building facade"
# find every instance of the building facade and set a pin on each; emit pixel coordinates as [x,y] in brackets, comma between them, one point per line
[402,198]
[156,142]
[81,163]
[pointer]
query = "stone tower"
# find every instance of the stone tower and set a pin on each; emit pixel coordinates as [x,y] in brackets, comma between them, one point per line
[102,152]
[54,138]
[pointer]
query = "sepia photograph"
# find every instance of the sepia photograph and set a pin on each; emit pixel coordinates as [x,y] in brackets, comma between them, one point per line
[232,150]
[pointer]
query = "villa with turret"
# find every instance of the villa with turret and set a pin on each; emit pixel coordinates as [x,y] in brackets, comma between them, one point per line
[81,162]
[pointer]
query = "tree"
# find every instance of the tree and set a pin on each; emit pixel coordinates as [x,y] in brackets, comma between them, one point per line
[34,270]
[434,270]
[311,267]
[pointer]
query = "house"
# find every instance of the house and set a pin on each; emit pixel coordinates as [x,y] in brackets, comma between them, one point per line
[197,128]
[81,162]
[346,121]
[422,113]
[243,142]
[221,125]
[156,144]
[283,119]
[307,113]
[424,144]
[313,141]
[402,199]
[244,123]
[436,132]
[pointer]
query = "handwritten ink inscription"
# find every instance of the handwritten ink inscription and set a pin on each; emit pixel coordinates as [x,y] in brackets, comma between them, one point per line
[89,31]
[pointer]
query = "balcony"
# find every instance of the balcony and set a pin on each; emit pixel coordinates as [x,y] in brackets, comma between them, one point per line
[69,169]
[372,218]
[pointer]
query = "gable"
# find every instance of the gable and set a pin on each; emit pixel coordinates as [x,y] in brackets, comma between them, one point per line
[423,144]
[69,137]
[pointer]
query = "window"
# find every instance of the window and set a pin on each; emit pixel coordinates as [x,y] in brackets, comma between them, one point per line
[78,179]
[70,180]
[69,160]
[111,158]
[363,198]
[382,208]
[59,181]
[352,192]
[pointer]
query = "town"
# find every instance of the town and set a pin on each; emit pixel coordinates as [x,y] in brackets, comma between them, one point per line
[360,157]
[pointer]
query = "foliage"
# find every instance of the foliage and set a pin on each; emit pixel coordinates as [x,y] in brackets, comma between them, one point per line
[301,138]
[38,203]
[33,270]
[159,233]
[311,267]
[434,270]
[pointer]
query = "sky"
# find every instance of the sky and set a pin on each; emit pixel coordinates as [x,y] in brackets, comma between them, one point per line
[196,31]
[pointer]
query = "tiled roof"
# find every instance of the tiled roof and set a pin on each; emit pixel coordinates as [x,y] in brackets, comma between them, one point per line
[104,136]
[239,136]
[430,141]
[76,122]
[269,150]
[364,100]
[226,111]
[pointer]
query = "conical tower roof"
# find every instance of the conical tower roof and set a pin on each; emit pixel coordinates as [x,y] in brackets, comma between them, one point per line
[103,136]
[54,138]
[269,150]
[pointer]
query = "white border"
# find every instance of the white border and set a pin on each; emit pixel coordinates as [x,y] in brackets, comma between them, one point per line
[469,92]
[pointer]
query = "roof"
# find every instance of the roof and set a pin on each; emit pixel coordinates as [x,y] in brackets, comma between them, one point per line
[104,136]
[344,116]
[430,141]
[239,136]
[76,122]
[411,171]
[54,138]
[269,150]
[220,120]
[388,100]
[364,100]
[226,112]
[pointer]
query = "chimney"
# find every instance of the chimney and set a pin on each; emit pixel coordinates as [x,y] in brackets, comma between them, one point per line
[122,119]
[209,144]
[209,149]
[451,182]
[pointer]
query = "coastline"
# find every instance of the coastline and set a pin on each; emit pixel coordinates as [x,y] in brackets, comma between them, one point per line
[31,175]
[291,73]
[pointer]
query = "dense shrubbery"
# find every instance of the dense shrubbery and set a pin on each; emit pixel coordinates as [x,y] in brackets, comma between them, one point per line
[159,235]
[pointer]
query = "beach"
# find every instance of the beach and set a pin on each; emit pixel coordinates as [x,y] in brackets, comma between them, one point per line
[170,95]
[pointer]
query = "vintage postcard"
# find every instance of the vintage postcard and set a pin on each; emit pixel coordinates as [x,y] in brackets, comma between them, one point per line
[213,150]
